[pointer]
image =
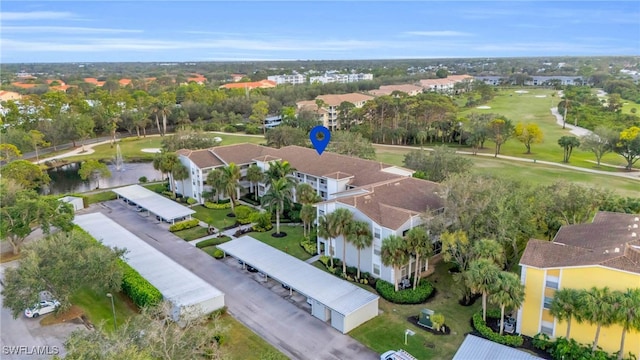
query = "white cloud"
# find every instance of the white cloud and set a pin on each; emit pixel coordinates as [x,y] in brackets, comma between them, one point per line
[64,30]
[35,15]
[440,33]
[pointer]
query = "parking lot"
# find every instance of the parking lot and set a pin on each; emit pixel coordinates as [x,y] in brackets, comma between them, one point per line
[25,338]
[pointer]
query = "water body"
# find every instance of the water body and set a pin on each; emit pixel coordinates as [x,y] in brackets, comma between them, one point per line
[65,179]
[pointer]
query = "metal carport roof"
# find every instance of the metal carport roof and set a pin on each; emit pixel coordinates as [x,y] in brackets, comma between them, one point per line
[304,278]
[177,284]
[477,348]
[157,204]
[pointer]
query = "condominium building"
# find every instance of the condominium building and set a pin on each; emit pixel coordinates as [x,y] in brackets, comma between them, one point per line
[330,104]
[288,79]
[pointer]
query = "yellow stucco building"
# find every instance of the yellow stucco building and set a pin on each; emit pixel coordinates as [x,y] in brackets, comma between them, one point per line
[603,253]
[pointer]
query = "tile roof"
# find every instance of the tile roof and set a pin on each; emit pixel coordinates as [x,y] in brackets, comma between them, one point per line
[202,158]
[337,99]
[608,241]
[392,203]
[23,85]
[264,84]
[94,81]
[388,89]
[9,95]
[124,82]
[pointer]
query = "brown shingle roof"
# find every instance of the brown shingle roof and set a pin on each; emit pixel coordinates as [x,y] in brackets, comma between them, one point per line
[242,153]
[392,203]
[388,89]
[202,158]
[607,242]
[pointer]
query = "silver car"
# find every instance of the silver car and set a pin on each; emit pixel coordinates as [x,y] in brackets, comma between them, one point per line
[41,308]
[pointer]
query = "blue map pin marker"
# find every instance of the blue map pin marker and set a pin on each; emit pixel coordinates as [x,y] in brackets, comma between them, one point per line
[320,144]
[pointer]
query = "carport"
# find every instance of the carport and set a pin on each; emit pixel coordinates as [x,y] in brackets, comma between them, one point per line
[153,203]
[332,299]
[190,296]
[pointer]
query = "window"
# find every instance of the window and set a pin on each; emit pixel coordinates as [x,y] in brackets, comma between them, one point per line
[546,328]
[323,181]
[404,233]
[547,302]
[320,212]
[376,250]
[376,233]
[376,269]
[551,284]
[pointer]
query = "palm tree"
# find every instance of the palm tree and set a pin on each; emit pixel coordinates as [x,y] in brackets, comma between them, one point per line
[627,314]
[254,175]
[280,192]
[480,277]
[343,218]
[420,243]
[279,169]
[327,230]
[596,308]
[489,249]
[306,194]
[163,107]
[564,306]
[180,172]
[394,254]
[165,163]
[215,179]
[231,183]
[508,292]
[359,234]
[307,214]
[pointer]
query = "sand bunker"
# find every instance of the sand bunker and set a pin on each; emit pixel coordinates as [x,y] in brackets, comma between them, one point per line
[541,96]
[151,150]
[521,92]
[483,107]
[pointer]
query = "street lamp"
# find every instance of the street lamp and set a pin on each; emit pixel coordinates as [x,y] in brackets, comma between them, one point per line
[113,309]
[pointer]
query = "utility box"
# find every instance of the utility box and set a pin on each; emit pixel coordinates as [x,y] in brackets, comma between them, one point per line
[425,318]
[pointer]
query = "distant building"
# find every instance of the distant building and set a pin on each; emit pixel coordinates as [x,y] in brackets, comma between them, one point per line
[445,85]
[340,78]
[262,84]
[237,77]
[411,90]
[9,95]
[329,116]
[288,79]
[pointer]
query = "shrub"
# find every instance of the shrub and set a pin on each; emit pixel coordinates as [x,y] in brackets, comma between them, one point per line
[243,214]
[229,129]
[252,130]
[561,348]
[218,254]
[263,220]
[240,126]
[217,206]
[139,290]
[437,320]
[191,201]
[143,179]
[324,259]
[182,225]
[488,333]
[212,242]
[308,246]
[211,126]
[406,296]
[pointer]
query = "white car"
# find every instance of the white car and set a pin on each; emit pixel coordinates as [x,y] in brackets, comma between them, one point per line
[41,308]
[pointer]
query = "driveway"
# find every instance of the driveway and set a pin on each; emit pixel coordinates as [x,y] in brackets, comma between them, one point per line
[25,338]
[290,329]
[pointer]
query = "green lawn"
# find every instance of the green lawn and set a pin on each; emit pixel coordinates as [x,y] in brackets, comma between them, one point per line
[289,244]
[97,307]
[213,217]
[242,343]
[131,148]
[386,331]
[191,234]
[535,174]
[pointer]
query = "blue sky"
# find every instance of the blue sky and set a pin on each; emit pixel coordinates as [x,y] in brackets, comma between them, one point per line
[87,31]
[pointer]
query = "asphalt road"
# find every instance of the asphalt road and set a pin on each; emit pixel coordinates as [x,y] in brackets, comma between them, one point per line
[290,329]
[25,338]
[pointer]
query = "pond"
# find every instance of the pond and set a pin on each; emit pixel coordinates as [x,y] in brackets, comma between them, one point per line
[65,179]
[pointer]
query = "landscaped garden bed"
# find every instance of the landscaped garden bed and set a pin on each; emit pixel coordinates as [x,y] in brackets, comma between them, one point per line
[414,320]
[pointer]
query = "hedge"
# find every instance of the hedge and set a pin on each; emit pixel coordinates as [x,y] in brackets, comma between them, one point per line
[243,214]
[212,242]
[488,333]
[183,225]
[217,206]
[406,296]
[141,292]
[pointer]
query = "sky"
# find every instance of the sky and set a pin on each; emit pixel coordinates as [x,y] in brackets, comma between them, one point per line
[184,31]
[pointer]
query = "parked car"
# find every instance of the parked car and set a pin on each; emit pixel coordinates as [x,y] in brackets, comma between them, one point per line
[41,308]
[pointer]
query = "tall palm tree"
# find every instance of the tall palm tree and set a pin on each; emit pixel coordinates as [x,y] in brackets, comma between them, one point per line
[359,234]
[418,240]
[215,179]
[343,218]
[165,163]
[180,172]
[231,181]
[564,306]
[394,253]
[627,314]
[480,277]
[307,215]
[306,194]
[280,192]
[279,169]
[596,308]
[489,249]
[163,107]
[254,175]
[327,230]
[508,292]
